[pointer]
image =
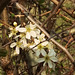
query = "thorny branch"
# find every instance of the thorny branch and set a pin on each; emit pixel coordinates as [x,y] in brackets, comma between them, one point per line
[55,42]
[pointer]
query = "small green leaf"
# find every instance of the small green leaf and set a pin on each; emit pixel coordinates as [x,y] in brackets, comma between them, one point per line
[12,15]
[41,1]
[14,63]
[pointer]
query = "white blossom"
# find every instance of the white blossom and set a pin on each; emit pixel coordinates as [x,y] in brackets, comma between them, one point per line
[48,58]
[22,29]
[17,45]
[49,45]
[31,37]
[41,37]
[24,42]
[30,31]
[13,31]
[40,48]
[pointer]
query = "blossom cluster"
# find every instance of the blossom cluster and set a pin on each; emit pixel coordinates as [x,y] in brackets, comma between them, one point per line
[31,37]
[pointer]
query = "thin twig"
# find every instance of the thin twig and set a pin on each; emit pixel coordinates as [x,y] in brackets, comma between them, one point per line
[7,44]
[56,13]
[63,8]
[43,68]
[44,13]
[53,13]
[5,24]
[54,36]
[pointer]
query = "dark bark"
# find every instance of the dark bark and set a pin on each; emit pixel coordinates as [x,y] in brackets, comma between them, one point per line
[3,4]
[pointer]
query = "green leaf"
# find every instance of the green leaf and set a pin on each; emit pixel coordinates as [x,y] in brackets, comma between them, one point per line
[14,63]
[41,1]
[12,15]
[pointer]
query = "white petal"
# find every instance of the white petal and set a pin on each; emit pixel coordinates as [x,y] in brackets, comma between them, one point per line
[43,52]
[53,66]
[32,26]
[36,41]
[17,50]
[31,46]
[44,64]
[22,29]
[33,34]
[52,53]
[54,59]
[41,60]
[22,46]
[45,43]
[17,27]
[10,28]
[27,26]
[25,43]
[10,35]
[42,35]
[13,45]
[50,64]
[27,35]
[50,45]
[37,31]
[17,36]
[43,39]
[37,53]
